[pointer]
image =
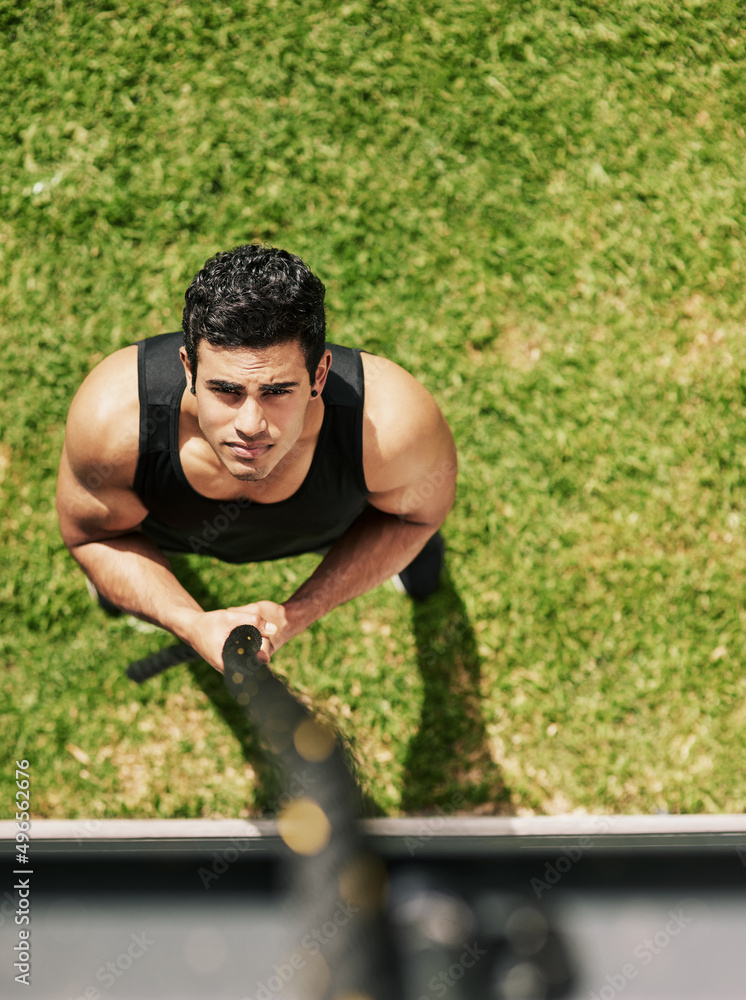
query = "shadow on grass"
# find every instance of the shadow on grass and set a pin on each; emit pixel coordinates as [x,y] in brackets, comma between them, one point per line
[448,767]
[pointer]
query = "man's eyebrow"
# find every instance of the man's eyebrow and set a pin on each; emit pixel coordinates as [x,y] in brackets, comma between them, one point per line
[219,383]
[224,385]
[266,386]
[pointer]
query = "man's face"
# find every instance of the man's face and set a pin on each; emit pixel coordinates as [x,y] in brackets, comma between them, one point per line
[251,404]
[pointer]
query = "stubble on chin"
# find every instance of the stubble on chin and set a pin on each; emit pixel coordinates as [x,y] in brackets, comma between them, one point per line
[249,477]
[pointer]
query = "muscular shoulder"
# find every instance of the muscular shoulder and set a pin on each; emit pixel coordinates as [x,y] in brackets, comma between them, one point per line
[405,435]
[104,419]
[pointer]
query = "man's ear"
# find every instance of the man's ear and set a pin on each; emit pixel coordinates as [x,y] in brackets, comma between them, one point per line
[187,366]
[322,371]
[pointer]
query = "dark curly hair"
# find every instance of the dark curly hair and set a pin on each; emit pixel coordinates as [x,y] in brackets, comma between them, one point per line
[255,296]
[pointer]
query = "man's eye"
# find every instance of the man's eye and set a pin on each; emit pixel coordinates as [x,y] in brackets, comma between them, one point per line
[276,392]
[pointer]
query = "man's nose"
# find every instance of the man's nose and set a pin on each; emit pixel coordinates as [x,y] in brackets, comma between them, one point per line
[250,420]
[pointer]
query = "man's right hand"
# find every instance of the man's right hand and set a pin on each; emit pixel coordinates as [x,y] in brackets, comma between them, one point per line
[209,630]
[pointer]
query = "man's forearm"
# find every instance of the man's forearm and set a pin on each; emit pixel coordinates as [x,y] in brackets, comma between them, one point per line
[375,548]
[132,573]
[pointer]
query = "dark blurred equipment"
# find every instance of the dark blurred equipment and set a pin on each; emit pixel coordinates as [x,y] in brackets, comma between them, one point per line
[317,905]
[155,663]
[527,909]
[336,890]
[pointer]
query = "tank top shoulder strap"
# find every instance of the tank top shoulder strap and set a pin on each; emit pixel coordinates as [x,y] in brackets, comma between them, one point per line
[344,385]
[345,390]
[160,379]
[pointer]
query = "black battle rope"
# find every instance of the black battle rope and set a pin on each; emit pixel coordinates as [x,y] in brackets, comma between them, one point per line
[335,882]
[156,663]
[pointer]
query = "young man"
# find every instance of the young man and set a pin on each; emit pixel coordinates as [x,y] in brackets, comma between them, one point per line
[251,440]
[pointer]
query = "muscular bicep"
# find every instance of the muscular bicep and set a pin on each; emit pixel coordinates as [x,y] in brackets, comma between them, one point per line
[410,455]
[428,490]
[95,498]
[91,507]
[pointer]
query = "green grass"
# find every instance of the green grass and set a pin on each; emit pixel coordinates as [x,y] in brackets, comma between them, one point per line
[538,209]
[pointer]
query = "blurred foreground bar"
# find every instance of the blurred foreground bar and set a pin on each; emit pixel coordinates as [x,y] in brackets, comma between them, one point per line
[645,906]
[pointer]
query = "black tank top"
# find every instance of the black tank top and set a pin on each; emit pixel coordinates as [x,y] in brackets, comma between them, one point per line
[180,519]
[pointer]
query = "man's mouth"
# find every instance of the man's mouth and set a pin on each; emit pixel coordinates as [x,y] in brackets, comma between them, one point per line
[248,450]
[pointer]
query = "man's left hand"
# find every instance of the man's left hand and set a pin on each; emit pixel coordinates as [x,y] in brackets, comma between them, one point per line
[264,613]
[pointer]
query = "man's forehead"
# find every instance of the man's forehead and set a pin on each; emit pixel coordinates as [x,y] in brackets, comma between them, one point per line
[278,360]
